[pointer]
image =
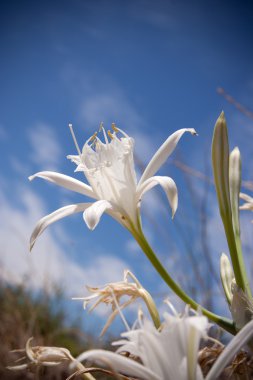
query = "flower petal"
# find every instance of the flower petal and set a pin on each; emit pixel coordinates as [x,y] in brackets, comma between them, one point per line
[93,213]
[168,186]
[249,202]
[246,197]
[232,348]
[119,363]
[65,181]
[53,217]
[163,153]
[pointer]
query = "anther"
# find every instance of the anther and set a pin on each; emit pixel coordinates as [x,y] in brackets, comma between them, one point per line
[110,134]
[114,127]
[93,137]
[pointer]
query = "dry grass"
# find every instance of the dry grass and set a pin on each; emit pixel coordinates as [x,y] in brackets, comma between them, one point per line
[24,315]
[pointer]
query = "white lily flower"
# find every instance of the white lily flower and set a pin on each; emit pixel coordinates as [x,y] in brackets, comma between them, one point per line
[109,170]
[166,354]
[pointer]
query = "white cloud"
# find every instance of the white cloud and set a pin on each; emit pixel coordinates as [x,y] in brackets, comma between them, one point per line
[48,263]
[46,150]
[108,108]
[158,18]
[105,101]
[3,133]
[20,167]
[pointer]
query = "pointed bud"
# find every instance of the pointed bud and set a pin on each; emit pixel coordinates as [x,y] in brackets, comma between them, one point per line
[227,276]
[235,185]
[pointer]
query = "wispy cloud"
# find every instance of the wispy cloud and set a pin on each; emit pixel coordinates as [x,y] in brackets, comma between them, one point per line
[108,108]
[3,133]
[49,263]
[161,16]
[46,150]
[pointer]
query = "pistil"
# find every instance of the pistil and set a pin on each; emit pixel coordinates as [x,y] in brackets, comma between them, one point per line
[75,141]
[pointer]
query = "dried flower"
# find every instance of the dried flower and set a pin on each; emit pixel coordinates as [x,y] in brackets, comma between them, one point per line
[111,294]
[42,355]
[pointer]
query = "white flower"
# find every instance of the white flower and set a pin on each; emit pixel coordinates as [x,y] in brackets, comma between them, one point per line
[167,354]
[109,170]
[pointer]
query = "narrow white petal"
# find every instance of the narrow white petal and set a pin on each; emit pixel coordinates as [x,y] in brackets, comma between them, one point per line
[65,181]
[17,367]
[246,206]
[168,186]
[53,217]
[119,363]
[163,153]
[93,214]
[232,348]
[246,197]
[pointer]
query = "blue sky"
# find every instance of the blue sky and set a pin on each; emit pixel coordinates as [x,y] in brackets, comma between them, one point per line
[151,67]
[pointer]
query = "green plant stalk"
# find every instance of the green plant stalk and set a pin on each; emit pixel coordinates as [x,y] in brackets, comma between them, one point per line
[151,307]
[234,245]
[225,323]
[147,298]
[220,158]
[235,169]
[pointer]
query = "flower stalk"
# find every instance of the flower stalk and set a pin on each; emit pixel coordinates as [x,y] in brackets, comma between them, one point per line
[139,236]
[109,169]
[227,182]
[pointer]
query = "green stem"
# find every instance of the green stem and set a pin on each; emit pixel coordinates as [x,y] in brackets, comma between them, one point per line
[220,160]
[146,296]
[151,307]
[236,255]
[225,323]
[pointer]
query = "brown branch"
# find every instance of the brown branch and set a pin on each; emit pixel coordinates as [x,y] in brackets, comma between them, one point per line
[235,103]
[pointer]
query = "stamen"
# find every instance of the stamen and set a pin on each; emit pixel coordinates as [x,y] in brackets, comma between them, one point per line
[115,128]
[93,137]
[110,134]
[104,133]
[119,310]
[75,141]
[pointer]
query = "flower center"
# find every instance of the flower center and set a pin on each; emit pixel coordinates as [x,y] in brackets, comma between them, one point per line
[108,166]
